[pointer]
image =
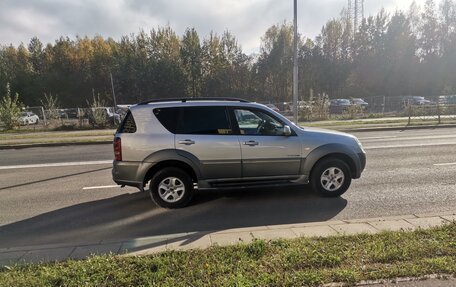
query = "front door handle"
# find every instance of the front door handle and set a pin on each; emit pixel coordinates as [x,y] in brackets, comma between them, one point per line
[187,142]
[251,143]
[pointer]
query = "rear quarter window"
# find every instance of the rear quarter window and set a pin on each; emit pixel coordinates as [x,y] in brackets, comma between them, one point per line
[128,125]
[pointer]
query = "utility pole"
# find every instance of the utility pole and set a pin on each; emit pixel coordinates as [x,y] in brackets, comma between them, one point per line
[113,93]
[295,64]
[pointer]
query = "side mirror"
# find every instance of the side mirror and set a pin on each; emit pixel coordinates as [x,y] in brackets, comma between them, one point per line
[286,131]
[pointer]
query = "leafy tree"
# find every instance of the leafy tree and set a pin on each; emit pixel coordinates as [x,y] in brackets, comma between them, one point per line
[192,60]
[429,39]
[275,63]
[10,109]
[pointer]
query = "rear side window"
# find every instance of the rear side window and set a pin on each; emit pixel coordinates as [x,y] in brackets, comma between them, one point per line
[168,117]
[128,124]
[204,121]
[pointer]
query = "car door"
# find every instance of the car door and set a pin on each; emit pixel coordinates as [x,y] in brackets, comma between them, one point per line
[206,133]
[266,151]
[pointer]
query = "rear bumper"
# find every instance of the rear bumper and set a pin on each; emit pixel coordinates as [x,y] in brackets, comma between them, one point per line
[130,173]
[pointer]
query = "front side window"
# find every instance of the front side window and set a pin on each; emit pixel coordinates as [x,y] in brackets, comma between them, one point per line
[204,121]
[254,122]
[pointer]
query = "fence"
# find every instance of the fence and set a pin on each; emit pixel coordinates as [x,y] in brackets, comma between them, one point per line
[412,109]
[73,118]
[440,109]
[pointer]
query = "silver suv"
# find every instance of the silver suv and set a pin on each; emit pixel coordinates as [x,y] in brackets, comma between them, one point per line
[175,146]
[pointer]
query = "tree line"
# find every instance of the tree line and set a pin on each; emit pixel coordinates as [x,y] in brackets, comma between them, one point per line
[409,52]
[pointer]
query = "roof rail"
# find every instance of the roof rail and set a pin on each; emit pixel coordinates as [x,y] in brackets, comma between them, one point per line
[183,100]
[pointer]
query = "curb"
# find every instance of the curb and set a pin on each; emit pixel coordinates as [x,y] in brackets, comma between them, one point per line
[23,146]
[208,239]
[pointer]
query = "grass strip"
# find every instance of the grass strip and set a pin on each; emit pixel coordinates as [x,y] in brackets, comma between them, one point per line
[297,262]
[55,135]
[383,123]
[56,141]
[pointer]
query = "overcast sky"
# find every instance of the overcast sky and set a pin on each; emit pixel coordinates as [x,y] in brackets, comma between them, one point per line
[20,20]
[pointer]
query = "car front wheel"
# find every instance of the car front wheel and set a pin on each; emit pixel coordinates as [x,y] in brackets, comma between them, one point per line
[171,188]
[331,177]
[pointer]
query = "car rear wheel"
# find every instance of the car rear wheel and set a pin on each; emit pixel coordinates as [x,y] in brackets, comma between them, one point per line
[331,177]
[171,188]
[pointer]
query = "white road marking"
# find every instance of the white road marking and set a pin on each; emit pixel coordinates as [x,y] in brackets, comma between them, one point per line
[58,164]
[377,138]
[445,164]
[408,145]
[395,138]
[100,187]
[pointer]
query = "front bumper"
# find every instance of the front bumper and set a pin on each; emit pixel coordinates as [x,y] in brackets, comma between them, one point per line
[362,164]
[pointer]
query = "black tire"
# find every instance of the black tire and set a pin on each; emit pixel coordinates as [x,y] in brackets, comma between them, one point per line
[335,186]
[182,179]
[36,122]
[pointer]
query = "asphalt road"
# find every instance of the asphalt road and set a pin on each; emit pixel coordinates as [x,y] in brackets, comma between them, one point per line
[408,172]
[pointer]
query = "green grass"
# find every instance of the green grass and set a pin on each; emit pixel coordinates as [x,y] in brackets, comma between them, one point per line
[56,137]
[57,141]
[29,135]
[298,262]
[358,124]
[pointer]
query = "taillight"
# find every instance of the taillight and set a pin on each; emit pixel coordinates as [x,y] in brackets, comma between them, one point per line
[117,149]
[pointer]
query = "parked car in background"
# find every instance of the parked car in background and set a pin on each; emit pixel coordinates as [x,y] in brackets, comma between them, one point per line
[72,113]
[360,102]
[415,101]
[28,118]
[69,113]
[284,107]
[338,106]
[273,107]
[447,99]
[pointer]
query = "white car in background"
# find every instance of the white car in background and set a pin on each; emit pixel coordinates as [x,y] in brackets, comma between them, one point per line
[28,118]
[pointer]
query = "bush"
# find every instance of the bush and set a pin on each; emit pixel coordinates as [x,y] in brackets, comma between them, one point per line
[316,109]
[10,109]
[352,111]
[97,115]
[51,106]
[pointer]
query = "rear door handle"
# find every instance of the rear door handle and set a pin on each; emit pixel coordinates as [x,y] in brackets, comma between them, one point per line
[251,143]
[187,142]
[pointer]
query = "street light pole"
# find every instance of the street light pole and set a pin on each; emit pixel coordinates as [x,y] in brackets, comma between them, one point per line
[295,64]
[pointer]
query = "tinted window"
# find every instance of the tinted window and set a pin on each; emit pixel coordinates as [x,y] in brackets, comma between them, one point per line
[168,117]
[128,125]
[204,121]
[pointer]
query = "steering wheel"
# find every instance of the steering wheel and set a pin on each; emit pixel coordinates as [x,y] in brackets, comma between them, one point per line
[260,126]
